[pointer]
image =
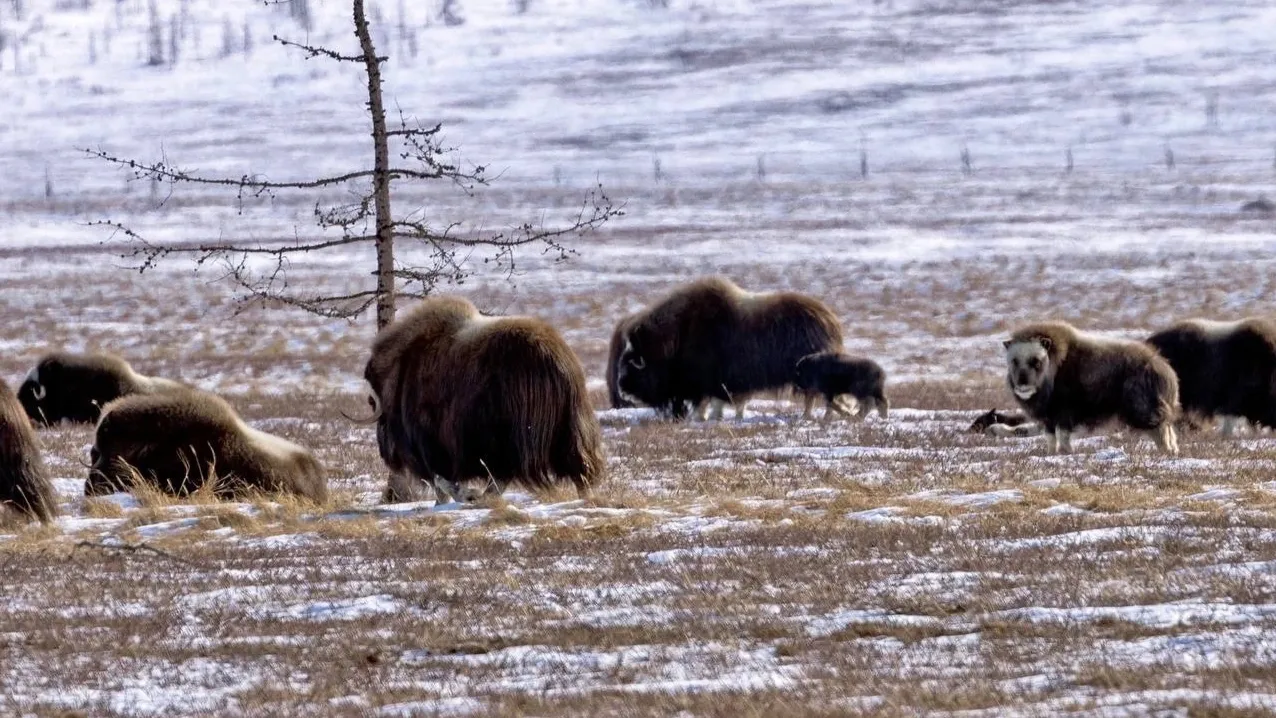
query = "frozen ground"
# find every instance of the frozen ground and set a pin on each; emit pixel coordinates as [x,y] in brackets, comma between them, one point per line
[755,567]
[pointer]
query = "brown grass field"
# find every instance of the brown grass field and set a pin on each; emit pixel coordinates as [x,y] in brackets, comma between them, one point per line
[755,567]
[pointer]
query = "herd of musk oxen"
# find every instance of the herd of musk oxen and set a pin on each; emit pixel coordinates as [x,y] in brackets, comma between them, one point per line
[468,403]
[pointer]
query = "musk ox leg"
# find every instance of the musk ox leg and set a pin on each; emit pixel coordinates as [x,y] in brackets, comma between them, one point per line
[808,402]
[716,407]
[1052,441]
[883,406]
[1229,426]
[1166,438]
[1063,439]
[699,413]
[403,488]
[742,405]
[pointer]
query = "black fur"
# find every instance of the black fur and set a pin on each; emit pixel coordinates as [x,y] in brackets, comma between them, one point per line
[1231,373]
[75,387]
[712,340]
[992,416]
[833,373]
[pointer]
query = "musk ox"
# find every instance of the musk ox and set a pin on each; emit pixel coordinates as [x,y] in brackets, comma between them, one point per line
[1066,379]
[711,340]
[75,387]
[24,482]
[179,441]
[470,403]
[1225,369]
[835,375]
[1004,423]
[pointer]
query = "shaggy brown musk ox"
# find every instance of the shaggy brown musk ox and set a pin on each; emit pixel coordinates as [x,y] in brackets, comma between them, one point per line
[470,403]
[75,387]
[1066,379]
[834,375]
[178,441]
[1225,369]
[24,482]
[712,341]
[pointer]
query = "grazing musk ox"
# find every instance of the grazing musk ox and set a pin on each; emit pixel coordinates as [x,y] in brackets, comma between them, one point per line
[75,387]
[178,441]
[834,375]
[468,403]
[24,481]
[1066,379]
[1225,369]
[712,341]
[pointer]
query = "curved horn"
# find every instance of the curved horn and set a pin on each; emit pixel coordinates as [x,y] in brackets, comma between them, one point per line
[376,409]
[39,392]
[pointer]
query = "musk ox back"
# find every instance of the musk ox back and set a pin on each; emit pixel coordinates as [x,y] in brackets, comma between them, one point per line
[712,340]
[1225,369]
[471,403]
[75,387]
[180,441]
[24,481]
[1066,379]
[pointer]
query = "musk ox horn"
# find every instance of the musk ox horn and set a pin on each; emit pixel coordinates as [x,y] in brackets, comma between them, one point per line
[39,392]
[375,401]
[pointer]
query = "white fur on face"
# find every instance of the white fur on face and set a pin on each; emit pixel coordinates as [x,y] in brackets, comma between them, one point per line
[1027,367]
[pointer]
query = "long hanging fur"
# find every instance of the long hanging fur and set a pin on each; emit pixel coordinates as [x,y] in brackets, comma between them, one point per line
[178,441]
[75,387]
[463,397]
[1095,380]
[24,481]
[712,340]
[1224,368]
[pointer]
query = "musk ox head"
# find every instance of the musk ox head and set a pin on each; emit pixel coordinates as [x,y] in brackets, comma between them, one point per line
[1029,366]
[808,373]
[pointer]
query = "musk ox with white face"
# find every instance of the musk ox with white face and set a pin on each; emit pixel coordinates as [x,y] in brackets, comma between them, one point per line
[178,441]
[710,341]
[75,387]
[470,403]
[24,482]
[1225,369]
[1066,380]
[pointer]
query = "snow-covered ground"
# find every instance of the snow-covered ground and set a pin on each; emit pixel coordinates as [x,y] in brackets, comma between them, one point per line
[757,567]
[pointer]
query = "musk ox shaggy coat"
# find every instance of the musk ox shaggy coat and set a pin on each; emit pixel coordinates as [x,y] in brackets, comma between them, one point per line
[75,387]
[1066,379]
[178,441]
[834,375]
[471,403]
[1225,369]
[24,482]
[711,340]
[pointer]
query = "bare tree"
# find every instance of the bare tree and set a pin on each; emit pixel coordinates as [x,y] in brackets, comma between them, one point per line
[421,149]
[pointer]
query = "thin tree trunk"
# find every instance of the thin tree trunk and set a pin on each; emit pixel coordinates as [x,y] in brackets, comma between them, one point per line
[380,172]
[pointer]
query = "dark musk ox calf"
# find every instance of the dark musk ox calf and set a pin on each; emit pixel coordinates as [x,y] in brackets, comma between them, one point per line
[711,341]
[835,375]
[470,403]
[24,482]
[1003,424]
[1225,369]
[179,441]
[75,387]
[1066,379]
